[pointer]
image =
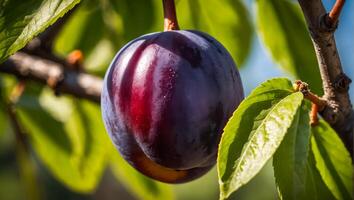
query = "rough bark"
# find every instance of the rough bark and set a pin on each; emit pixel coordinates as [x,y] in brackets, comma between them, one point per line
[339,112]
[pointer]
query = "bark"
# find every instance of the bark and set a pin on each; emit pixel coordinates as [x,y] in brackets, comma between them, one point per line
[338,112]
[63,80]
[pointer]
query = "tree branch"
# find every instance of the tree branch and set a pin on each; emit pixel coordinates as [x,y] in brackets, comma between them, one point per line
[53,74]
[338,112]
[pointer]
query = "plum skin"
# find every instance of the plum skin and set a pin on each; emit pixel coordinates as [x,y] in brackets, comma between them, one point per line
[166,98]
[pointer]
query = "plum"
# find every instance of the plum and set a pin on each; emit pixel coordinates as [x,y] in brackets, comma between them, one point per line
[165,100]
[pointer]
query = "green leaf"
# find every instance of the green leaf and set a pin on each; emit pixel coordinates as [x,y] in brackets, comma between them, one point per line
[315,187]
[290,160]
[234,29]
[75,147]
[21,20]
[332,160]
[250,122]
[283,31]
[139,185]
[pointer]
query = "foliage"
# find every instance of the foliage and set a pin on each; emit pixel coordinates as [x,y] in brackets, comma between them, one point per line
[292,48]
[273,121]
[73,147]
[67,134]
[20,21]
[291,158]
[332,161]
[250,129]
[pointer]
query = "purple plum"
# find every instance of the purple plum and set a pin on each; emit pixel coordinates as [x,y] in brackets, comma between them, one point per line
[166,99]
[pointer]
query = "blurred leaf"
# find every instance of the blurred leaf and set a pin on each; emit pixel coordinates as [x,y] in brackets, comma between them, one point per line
[75,151]
[137,16]
[6,85]
[10,185]
[283,30]
[3,116]
[139,185]
[100,57]
[226,20]
[59,108]
[95,28]
[3,119]
[191,190]
[21,20]
[83,31]
[315,187]
[333,161]
[27,171]
[248,123]
[290,159]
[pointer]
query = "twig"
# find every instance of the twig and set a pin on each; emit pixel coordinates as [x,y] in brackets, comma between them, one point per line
[338,113]
[317,103]
[76,60]
[304,89]
[314,114]
[79,84]
[336,10]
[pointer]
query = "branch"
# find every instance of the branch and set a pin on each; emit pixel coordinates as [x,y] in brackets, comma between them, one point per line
[78,84]
[338,112]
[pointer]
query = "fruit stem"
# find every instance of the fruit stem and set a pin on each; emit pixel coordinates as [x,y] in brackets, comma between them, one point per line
[169,11]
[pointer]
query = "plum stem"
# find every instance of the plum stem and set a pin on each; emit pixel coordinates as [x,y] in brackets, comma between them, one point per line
[169,11]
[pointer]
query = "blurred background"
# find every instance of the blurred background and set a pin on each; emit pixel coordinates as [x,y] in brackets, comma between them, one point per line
[99,28]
